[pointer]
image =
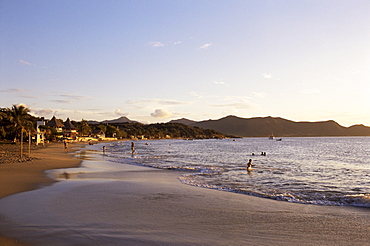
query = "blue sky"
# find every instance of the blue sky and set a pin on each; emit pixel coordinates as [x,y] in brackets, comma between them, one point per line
[158,60]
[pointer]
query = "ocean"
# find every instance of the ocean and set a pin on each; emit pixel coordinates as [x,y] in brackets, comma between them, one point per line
[311,170]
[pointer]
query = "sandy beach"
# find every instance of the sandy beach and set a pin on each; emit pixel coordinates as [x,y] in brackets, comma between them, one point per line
[157,209]
[18,177]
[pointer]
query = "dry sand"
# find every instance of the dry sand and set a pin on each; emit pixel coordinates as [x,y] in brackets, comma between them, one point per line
[160,210]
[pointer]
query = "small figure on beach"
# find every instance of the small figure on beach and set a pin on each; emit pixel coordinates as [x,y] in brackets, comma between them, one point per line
[104,149]
[249,165]
[132,148]
[263,153]
[65,146]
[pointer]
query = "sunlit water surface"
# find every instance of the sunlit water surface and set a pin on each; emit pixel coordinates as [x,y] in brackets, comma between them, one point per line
[325,171]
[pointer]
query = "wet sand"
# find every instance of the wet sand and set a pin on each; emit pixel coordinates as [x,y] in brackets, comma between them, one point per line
[157,209]
[18,176]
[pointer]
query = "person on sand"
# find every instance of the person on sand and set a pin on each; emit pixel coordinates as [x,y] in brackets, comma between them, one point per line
[249,165]
[65,146]
[104,149]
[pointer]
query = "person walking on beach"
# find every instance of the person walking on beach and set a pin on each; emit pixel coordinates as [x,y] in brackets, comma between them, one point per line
[65,146]
[104,149]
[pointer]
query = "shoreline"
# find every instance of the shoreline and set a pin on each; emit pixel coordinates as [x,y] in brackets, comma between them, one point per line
[17,177]
[159,209]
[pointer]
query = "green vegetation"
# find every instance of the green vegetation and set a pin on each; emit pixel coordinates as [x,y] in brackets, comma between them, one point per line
[16,121]
[159,131]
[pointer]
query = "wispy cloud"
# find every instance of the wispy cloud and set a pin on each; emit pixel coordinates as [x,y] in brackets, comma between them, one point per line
[60,101]
[177,42]
[238,105]
[25,62]
[221,83]
[156,44]
[19,93]
[161,113]
[357,72]
[12,90]
[266,75]
[156,101]
[198,95]
[74,97]
[205,46]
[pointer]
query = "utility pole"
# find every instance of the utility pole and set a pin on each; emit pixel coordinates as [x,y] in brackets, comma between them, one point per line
[29,143]
[21,144]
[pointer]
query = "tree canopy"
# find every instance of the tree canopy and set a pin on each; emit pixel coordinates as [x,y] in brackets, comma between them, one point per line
[16,119]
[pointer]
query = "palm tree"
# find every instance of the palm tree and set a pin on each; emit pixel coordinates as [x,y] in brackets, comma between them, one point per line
[20,119]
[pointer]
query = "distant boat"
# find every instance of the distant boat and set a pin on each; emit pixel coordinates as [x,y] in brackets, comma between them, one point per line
[272,136]
[279,139]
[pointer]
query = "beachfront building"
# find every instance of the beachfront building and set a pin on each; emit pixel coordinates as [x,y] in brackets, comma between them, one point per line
[56,124]
[98,134]
[69,130]
[40,133]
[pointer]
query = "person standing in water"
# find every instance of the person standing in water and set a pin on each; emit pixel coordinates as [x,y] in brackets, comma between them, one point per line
[132,148]
[249,165]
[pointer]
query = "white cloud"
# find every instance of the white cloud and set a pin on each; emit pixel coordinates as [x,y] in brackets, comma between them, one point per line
[119,112]
[267,75]
[205,46]
[161,113]
[221,83]
[42,112]
[177,42]
[25,63]
[156,44]
[23,104]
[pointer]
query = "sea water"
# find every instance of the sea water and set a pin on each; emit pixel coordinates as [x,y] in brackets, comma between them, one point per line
[317,170]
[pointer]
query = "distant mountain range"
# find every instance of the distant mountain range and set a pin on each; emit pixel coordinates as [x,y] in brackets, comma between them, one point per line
[265,126]
[122,119]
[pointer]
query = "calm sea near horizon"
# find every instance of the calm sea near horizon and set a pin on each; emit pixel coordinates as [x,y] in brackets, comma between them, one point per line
[310,170]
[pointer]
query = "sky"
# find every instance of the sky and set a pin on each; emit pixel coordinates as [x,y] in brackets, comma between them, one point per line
[158,60]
